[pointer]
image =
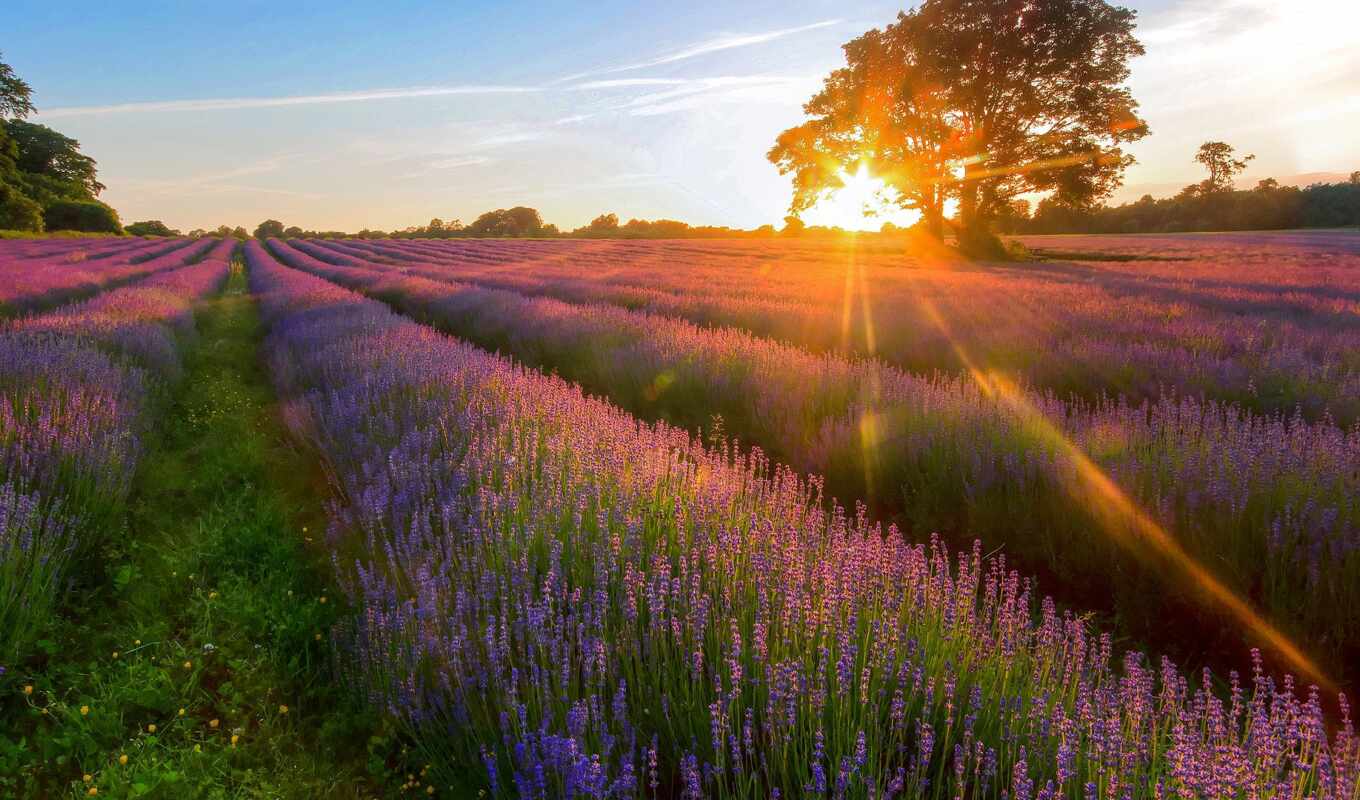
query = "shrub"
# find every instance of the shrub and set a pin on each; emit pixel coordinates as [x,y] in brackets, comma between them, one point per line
[18,212]
[82,215]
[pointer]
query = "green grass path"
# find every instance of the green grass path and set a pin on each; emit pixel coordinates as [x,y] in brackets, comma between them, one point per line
[194,663]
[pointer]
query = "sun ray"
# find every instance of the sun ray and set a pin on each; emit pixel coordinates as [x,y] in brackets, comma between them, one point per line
[1120,516]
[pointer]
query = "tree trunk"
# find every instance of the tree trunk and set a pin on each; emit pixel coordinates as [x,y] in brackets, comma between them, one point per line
[976,238]
[968,204]
[932,219]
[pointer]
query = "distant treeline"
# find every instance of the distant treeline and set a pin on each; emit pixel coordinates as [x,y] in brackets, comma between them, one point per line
[1269,206]
[524,222]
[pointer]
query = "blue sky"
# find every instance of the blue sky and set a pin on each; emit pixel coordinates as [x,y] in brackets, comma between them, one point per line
[345,115]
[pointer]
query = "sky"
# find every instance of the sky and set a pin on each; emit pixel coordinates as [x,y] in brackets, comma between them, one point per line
[344,115]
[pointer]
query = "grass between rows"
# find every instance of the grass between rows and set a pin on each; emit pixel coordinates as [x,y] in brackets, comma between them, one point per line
[193,660]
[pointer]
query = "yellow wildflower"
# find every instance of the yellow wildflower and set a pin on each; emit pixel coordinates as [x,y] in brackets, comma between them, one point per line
[212,723]
[123,759]
[28,690]
[151,728]
[283,709]
[84,711]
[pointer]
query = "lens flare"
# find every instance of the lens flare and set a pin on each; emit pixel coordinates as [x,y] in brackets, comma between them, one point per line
[1122,519]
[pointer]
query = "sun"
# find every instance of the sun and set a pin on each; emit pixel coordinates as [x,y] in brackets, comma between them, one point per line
[859,205]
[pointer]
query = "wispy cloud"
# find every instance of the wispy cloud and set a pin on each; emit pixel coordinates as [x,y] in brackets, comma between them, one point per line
[630,83]
[444,164]
[715,44]
[693,93]
[237,103]
[223,182]
[455,163]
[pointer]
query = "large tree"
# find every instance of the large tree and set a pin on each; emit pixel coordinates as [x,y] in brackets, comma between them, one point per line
[978,101]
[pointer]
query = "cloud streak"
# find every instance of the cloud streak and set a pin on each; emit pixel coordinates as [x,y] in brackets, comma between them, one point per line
[239,103]
[716,44]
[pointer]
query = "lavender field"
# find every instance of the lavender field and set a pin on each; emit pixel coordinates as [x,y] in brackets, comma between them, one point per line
[738,518]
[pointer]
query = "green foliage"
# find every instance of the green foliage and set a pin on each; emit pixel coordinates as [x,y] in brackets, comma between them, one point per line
[52,163]
[45,181]
[16,96]
[81,215]
[270,228]
[17,211]
[151,227]
[517,221]
[1268,206]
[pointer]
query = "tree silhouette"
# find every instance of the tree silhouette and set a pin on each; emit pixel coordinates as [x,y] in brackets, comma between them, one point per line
[605,223]
[975,100]
[1217,157]
[16,96]
[517,221]
[270,228]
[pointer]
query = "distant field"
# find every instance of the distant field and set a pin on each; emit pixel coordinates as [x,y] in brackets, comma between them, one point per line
[759,514]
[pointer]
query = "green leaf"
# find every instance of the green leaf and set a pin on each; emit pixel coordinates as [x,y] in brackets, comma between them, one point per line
[122,577]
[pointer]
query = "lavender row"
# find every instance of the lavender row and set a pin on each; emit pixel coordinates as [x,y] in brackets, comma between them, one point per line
[574,603]
[1268,501]
[1272,345]
[29,285]
[78,387]
[75,249]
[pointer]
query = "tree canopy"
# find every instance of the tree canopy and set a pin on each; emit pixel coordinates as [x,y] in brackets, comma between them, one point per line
[45,181]
[1218,158]
[1269,205]
[517,221]
[269,229]
[977,101]
[151,227]
[53,165]
[16,96]
[81,215]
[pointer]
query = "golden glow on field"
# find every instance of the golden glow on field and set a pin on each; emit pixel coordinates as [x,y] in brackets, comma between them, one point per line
[1119,517]
[859,205]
